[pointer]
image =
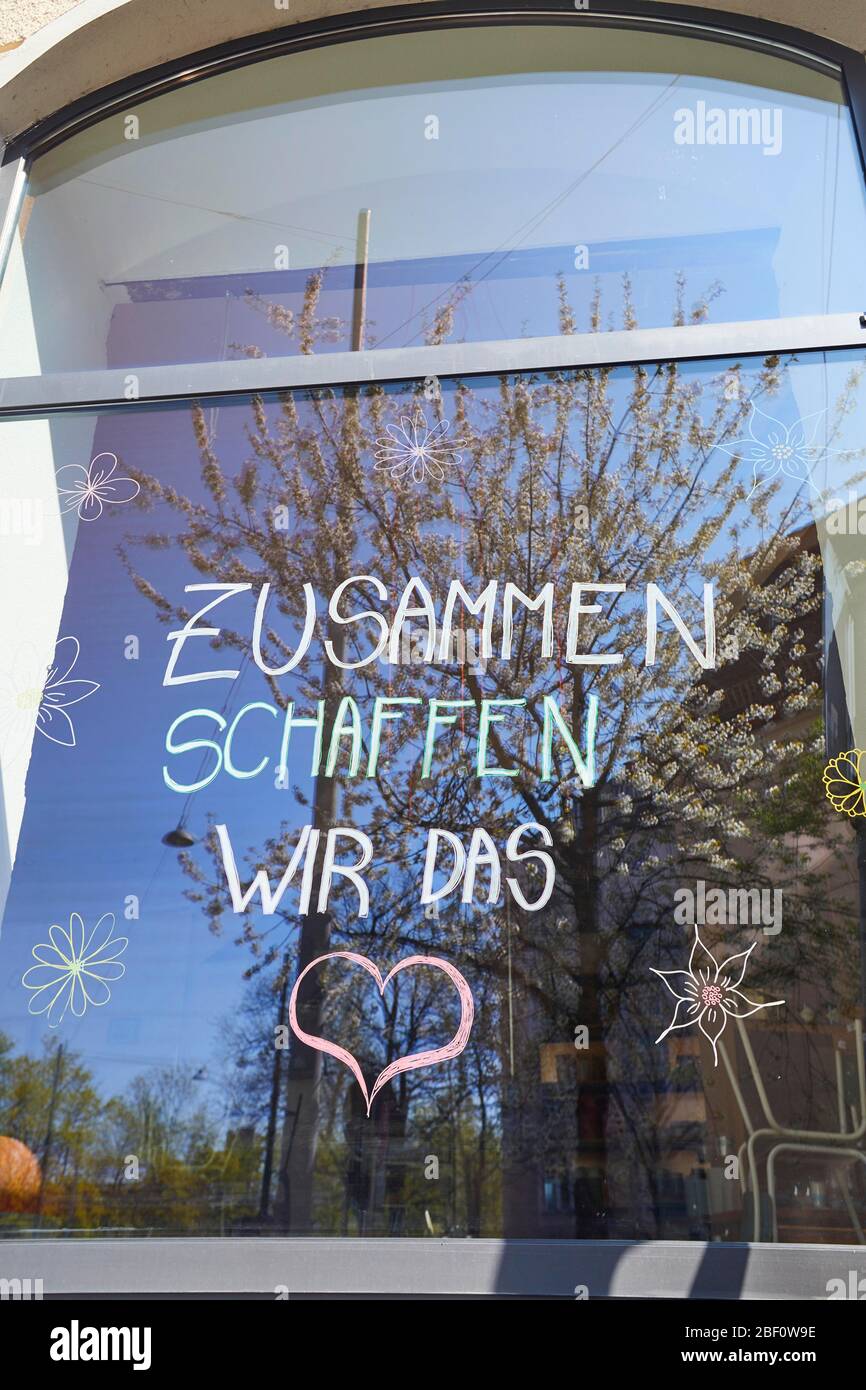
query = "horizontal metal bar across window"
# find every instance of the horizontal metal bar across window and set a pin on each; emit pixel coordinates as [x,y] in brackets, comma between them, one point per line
[21,396]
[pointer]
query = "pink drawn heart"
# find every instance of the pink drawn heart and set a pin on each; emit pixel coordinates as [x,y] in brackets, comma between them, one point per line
[414,1059]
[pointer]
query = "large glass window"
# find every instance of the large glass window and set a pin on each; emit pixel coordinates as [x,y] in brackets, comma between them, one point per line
[576,651]
[455,185]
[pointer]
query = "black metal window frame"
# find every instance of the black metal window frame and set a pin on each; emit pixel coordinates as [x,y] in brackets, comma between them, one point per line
[181,1265]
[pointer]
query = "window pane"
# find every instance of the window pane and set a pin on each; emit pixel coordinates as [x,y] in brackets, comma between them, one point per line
[648,178]
[641,809]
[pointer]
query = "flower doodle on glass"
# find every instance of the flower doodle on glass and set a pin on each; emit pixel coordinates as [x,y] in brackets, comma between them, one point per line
[72,971]
[415,451]
[59,692]
[845,782]
[26,688]
[708,993]
[773,448]
[90,488]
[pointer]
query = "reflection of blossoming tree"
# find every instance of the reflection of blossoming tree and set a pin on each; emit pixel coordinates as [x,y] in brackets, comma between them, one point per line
[687,776]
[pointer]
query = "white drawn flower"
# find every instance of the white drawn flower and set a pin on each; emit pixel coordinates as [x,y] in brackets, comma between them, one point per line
[73,971]
[90,487]
[778,448]
[32,699]
[416,451]
[708,994]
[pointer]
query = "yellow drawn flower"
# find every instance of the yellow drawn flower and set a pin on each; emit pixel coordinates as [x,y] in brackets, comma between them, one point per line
[845,782]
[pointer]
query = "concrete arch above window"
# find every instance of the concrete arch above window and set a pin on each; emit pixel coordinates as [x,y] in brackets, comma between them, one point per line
[96,43]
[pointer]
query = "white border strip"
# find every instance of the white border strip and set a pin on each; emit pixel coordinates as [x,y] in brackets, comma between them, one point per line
[13,186]
[408,1266]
